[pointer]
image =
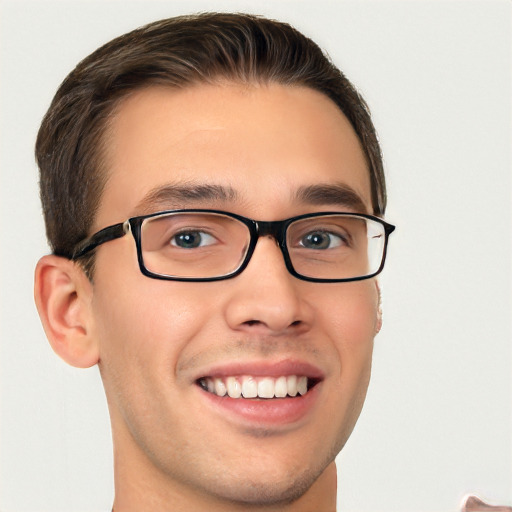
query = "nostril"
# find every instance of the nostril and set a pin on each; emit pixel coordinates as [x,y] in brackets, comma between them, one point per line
[254,323]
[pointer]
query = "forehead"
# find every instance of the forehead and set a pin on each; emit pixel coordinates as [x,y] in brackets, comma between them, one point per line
[261,143]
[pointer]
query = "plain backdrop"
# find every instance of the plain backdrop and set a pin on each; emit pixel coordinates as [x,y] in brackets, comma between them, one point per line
[437,423]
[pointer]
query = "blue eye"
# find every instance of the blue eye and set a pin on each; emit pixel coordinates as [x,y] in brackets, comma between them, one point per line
[192,239]
[321,240]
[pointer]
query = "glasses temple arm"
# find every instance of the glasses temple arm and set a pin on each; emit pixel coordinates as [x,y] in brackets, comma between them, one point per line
[105,235]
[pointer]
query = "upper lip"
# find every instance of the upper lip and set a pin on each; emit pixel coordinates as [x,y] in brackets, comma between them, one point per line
[263,369]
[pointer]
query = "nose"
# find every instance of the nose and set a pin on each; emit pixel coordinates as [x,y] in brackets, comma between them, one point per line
[266,298]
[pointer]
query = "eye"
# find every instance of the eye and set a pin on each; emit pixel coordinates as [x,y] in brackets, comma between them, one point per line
[322,240]
[192,239]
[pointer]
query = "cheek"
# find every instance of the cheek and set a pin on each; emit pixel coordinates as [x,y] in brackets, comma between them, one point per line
[143,326]
[353,317]
[349,319]
[143,336]
[352,329]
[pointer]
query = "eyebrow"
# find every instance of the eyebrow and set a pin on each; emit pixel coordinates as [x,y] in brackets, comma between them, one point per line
[338,194]
[173,196]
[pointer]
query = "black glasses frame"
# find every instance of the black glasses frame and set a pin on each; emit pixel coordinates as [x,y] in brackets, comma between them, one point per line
[275,229]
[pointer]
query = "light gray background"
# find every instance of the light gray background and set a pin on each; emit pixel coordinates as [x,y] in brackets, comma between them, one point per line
[438,420]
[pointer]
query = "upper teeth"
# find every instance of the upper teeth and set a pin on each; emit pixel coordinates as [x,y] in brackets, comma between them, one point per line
[256,387]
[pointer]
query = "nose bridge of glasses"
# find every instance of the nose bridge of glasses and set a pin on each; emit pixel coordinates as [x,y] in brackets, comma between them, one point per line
[274,229]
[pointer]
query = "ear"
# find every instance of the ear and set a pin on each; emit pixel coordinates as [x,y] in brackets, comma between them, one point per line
[63,295]
[378,320]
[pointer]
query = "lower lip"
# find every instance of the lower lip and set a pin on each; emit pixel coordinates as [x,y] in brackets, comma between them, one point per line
[273,411]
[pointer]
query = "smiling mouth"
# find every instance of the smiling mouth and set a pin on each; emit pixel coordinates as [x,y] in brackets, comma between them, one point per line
[248,387]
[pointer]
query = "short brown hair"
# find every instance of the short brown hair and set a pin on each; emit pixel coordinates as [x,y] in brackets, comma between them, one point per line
[176,52]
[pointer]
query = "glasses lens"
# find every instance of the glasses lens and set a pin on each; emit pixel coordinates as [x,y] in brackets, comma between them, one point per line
[336,246]
[193,245]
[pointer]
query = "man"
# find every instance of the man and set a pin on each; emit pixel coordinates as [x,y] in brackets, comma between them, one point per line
[234,337]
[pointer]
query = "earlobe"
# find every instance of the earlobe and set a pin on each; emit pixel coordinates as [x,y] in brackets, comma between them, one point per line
[62,294]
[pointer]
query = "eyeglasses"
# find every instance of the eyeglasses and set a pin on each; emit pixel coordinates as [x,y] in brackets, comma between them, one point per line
[210,245]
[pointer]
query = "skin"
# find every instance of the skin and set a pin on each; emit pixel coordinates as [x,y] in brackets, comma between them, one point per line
[152,338]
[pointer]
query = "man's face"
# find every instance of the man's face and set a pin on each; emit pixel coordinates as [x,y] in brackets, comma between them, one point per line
[160,339]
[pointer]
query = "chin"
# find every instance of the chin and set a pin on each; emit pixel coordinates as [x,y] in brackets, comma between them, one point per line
[260,493]
[270,484]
